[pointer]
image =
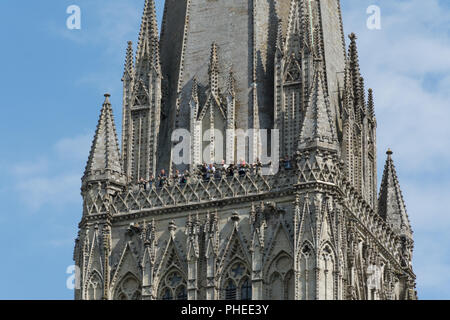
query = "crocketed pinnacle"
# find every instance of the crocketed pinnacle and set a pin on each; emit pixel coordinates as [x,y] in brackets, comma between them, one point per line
[148,47]
[370,105]
[299,25]
[318,129]
[214,70]
[231,87]
[391,205]
[355,69]
[280,38]
[129,62]
[105,154]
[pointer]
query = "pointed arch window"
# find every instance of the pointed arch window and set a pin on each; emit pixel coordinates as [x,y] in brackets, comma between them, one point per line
[281,280]
[129,288]
[307,273]
[95,287]
[246,290]
[182,293]
[327,274]
[237,284]
[230,290]
[173,286]
[167,294]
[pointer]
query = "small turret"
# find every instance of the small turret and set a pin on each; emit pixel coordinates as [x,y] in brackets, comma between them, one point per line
[391,205]
[318,129]
[142,100]
[355,69]
[104,159]
[371,106]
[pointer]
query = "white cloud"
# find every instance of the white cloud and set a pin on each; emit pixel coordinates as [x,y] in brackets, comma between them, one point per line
[56,191]
[30,168]
[114,22]
[55,178]
[74,148]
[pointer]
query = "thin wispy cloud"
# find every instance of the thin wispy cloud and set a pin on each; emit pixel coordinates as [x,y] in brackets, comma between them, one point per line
[76,148]
[53,179]
[115,22]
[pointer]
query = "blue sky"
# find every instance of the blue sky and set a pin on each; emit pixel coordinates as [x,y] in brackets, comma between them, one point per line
[53,81]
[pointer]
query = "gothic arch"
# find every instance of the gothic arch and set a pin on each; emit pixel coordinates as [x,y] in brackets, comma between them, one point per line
[170,259]
[307,274]
[236,281]
[127,263]
[275,287]
[94,286]
[290,285]
[327,272]
[280,242]
[172,285]
[235,248]
[128,288]
[280,277]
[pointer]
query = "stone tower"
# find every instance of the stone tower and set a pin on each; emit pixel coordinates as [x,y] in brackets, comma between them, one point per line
[309,226]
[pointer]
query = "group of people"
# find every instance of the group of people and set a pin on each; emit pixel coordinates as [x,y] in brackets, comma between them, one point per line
[206,172]
[218,171]
[159,181]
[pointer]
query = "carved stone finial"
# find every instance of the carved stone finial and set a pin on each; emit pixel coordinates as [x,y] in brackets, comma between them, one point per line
[235,217]
[172,226]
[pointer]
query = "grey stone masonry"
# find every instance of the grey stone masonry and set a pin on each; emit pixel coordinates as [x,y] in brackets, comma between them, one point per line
[309,227]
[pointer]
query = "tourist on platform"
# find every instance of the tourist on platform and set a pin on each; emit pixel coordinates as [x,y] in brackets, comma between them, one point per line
[143,183]
[162,178]
[242,168]
[184,176]
[151,180]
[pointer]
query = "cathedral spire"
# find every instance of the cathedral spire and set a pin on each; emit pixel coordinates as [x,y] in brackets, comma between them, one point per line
[142,107]
[147,55]
[104,158]
[355,69]
[318,129]
[299,26]
[391,205]
[128,71]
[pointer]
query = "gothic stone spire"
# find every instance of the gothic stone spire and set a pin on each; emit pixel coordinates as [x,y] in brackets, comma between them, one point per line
[104,158]
[147,55]
[128,72]
[142,105]
[318,129]
[391,205]
[355,71]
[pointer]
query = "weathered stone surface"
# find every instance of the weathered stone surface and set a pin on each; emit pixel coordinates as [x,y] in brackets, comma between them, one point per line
[313,229]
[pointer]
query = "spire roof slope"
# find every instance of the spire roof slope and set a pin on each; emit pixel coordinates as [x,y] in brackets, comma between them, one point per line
[129,62]
[148,47]
[105,154]
[318,128]
[391,205]
[355,69]
[299,25]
